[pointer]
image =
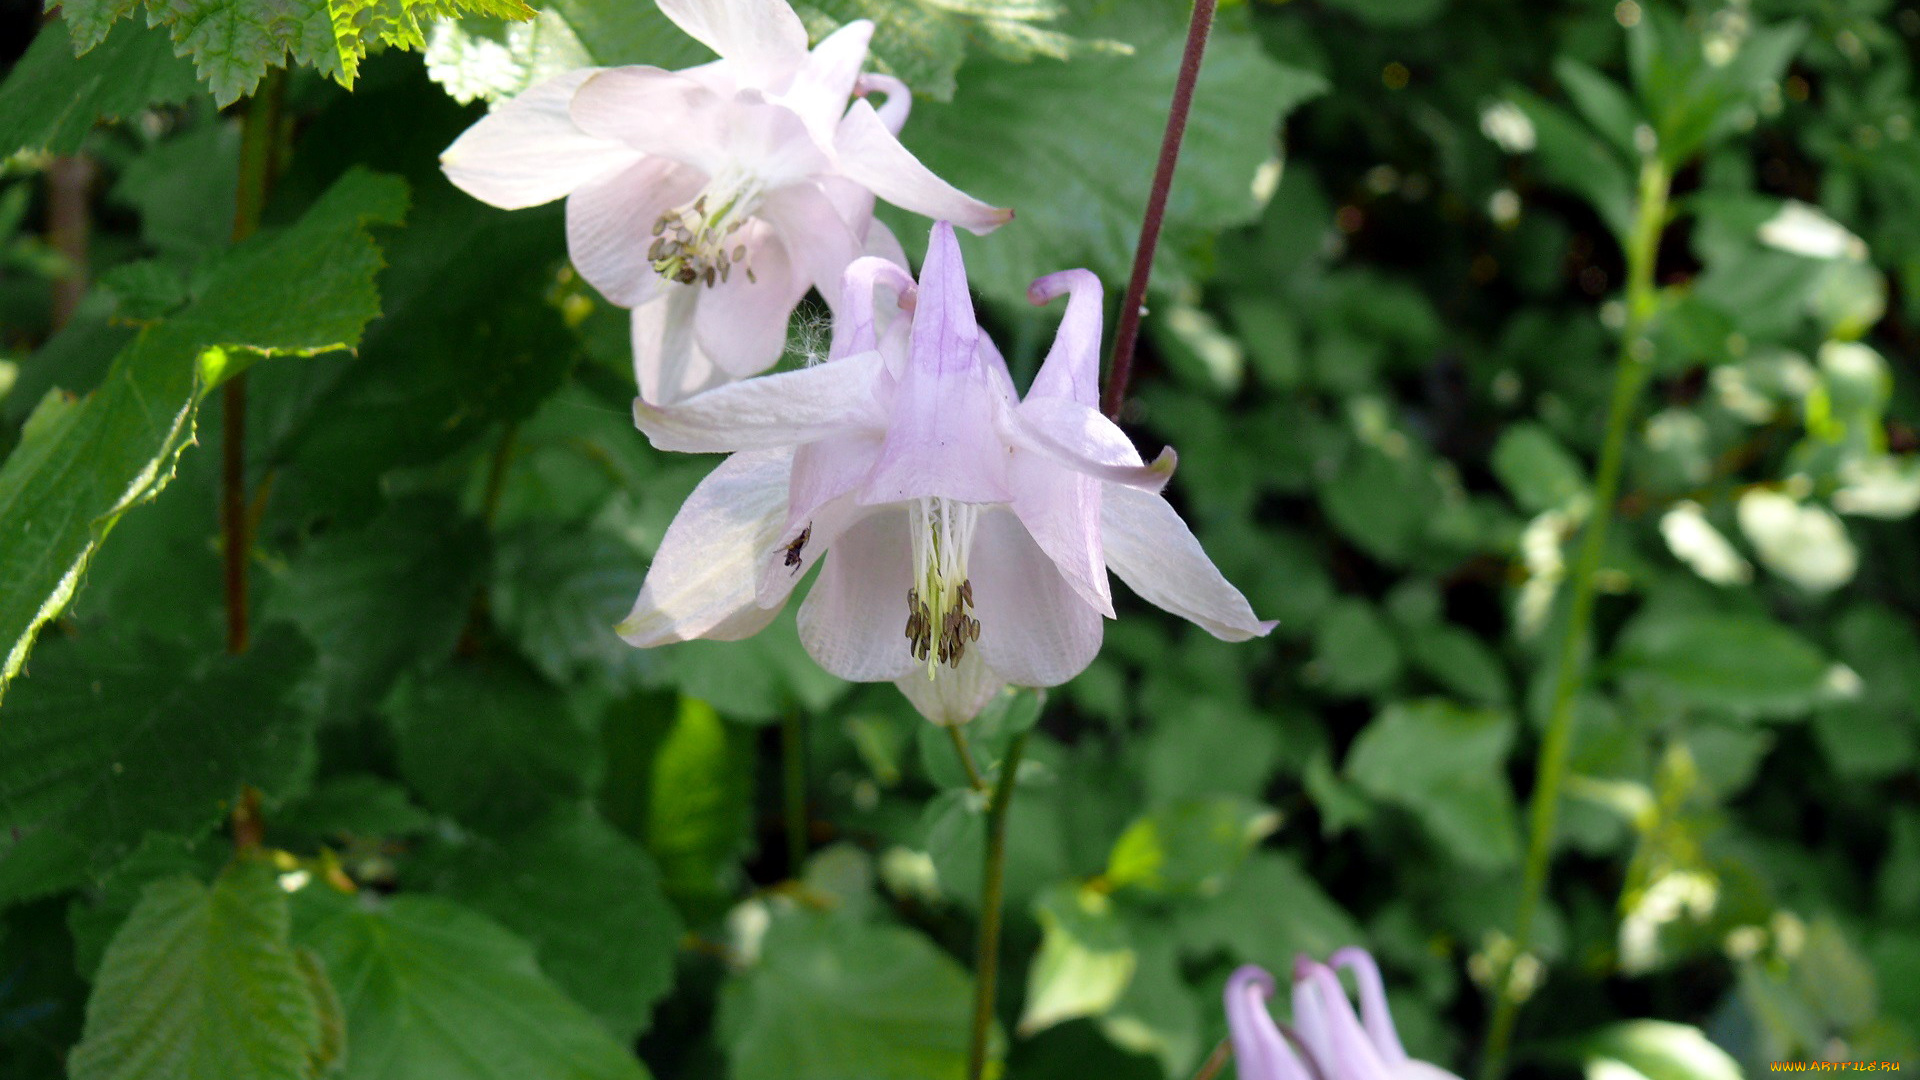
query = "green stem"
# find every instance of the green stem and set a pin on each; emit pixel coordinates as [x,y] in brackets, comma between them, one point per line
[1630,376]
[974,779]
[257,140]
[793,754]
[992,885]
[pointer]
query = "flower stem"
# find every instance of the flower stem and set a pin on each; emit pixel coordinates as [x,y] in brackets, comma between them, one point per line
[992,885]
[793,761]
[1630,375]
[257,140]
[974,779]
[1128,330]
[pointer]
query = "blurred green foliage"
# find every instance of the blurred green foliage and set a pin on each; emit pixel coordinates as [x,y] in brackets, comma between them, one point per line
[440,822]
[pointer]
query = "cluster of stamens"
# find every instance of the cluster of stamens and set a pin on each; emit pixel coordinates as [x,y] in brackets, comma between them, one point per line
[957,628]
[691,246]
[940,622]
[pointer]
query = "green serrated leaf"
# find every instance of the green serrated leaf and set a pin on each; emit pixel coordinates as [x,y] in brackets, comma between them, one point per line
[832,998]
[306,289]
[50,100]
[1446,765]
[558,591]
[233,43]
[491,744]
[97,913]
[432,990]
[379,600]
[589,901]
[680,780]
[1078,190]
[201,982]
[1271,911]
[110,739]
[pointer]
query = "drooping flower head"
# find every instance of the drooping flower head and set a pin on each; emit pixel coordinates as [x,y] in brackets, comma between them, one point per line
[709,200]
[1326,1040]
[966,533]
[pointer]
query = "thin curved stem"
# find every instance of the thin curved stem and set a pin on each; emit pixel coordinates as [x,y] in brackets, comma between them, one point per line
[974,779]
[992,887]
[1630,375]
[257,138]
[1128,330]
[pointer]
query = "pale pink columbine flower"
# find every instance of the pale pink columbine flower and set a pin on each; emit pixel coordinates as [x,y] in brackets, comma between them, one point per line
[967,534]
[709,200]
[1326,1040]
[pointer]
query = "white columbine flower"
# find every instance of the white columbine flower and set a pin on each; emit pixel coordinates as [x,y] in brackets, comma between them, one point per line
[709,200]
[967,533]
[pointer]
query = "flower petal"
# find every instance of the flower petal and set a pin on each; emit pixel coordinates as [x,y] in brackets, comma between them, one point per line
[1324,1019]
[610,224]
[1034,629]
[899,100]
[856,327]
[1260,1052]
[1072,367]
[820,89]
[704,573]
[1155,553]
[821,242]
[770,141]
[664,113]
[784,409]
[741,323]
[1061,511]
[1079,438]
[869,153]
[1373,1002]
[668,366]
[852,622]
[943,437]
[763,40]
[809,534]
[957,694]
[528,150]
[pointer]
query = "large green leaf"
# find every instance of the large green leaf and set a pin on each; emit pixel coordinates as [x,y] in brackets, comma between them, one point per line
[433,991]
[923,41]
[558,591]
[680,779]
[1746,664]
[81,464]
[590,903]
[201,982]
[1078,189]
[1086,959]
[234,42]
[832,999]
[493,745]
[377,600]
[1446,764]
[110,739]
[1191,845]
[50,100]
[1270,911]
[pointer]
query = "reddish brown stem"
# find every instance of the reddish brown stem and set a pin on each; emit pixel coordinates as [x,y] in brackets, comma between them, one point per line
[69,219]
[1128,332]
[257,140]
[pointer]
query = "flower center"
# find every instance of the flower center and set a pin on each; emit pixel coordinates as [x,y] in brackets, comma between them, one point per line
[938,624]
[696,243]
